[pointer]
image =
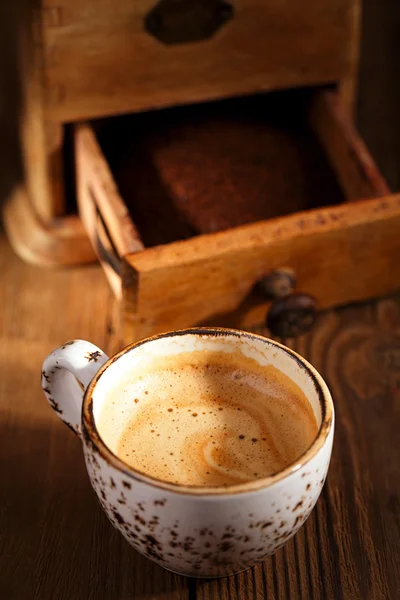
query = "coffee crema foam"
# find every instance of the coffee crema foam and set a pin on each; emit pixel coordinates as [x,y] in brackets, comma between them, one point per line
[208,419]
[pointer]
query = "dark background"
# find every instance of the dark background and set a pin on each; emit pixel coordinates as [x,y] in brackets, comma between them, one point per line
[378,107]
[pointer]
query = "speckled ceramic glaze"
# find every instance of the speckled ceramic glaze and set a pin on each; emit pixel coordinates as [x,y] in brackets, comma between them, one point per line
[201,532]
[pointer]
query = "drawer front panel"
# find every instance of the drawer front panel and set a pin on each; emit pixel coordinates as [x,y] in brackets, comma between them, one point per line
[341,254]
[98,58]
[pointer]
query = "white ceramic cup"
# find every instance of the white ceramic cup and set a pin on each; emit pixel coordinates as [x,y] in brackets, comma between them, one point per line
[195,531]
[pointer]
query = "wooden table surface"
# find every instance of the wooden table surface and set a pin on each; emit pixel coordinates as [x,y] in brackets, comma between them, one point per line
[55,541]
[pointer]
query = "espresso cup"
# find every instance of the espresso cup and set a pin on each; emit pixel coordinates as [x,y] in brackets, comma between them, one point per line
[193,531]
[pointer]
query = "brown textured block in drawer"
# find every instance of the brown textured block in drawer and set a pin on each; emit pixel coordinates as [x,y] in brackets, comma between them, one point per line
[207,168]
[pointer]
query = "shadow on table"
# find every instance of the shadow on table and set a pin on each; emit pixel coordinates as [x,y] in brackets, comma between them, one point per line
[58,543]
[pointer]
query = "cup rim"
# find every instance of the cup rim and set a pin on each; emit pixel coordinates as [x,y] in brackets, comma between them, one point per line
[91,434]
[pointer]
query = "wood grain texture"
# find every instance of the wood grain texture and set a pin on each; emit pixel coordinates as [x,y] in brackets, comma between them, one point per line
[105,251]
[349,547]
[55,540]
[340,254]
[94,173]
[57,543]
[355,168]
[38,166]
[122,68]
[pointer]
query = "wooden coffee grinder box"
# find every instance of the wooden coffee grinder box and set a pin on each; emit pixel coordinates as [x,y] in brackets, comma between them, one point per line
[205,152]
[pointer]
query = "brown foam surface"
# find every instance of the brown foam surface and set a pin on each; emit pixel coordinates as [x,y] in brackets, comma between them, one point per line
[204,421]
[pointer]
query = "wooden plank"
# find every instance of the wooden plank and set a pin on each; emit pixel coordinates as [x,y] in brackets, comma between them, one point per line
[94,174]
[98,235]
[31,152]
[56,540]
[41,138]
[39,169]
[348,548]
[57,543]
[122,68]
[339,254]
[343,347]
[349,156]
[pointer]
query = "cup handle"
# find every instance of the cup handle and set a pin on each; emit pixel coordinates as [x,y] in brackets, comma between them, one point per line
[66,373]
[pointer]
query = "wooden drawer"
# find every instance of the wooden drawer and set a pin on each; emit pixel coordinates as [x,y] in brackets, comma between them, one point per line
[101,58]
[337,230]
